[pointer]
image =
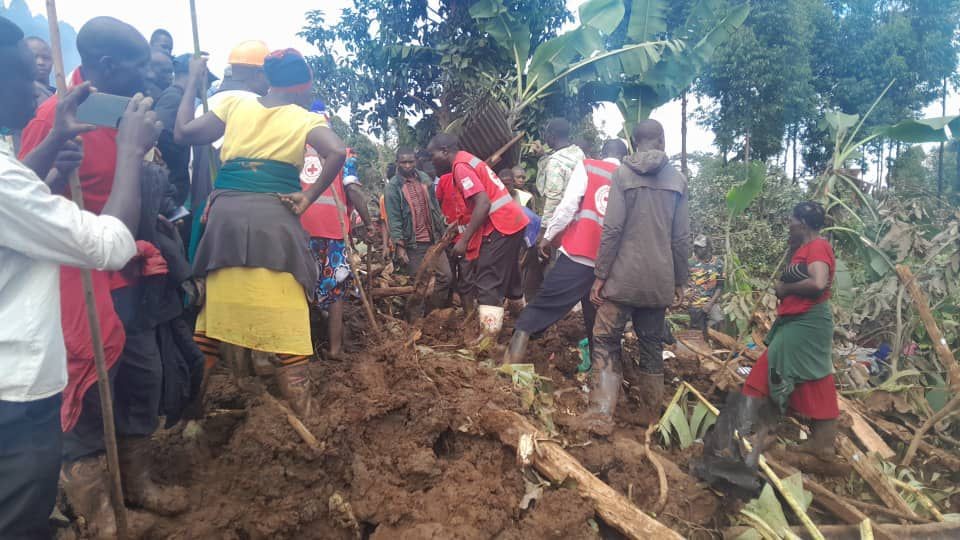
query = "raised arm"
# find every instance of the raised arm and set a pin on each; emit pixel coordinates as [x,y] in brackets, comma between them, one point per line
[189,130]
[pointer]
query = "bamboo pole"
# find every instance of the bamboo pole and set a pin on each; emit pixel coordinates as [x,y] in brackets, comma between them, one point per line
[93,318]
[203,83]
[367,308]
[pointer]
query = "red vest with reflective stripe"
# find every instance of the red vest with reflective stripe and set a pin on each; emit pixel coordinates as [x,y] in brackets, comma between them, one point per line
[320,220]
[505,216]
[454,209]
[582,237]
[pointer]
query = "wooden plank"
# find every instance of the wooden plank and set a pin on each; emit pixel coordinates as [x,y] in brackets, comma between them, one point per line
[865,434]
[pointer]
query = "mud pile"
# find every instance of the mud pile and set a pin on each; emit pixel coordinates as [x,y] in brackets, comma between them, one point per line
[401,456]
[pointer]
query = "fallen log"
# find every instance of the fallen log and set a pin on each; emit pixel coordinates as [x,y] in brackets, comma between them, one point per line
[556,464]
[872,508]
[385,292]
[927,531]
[922,304]
[866,467]
[830,501]
[730,342]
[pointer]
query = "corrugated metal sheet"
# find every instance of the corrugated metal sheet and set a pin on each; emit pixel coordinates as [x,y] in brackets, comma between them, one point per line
[486,131]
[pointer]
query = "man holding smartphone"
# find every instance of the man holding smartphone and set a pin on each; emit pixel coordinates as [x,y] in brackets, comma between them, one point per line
[39,232]
[114,58]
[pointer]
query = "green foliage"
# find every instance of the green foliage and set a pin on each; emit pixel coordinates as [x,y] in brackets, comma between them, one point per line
[687,418]
[389,59]
[759,231]
[766,515]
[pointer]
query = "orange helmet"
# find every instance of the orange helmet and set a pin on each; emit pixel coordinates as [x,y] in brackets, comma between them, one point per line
[249,53]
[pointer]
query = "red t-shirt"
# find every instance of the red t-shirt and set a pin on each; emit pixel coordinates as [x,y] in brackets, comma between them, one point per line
[99,156]
[509,219]
[817,250]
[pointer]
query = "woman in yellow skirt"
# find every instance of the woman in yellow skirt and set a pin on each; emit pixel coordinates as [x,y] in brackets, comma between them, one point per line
[254,252]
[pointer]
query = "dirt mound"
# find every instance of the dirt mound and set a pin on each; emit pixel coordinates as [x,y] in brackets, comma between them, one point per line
[400,457]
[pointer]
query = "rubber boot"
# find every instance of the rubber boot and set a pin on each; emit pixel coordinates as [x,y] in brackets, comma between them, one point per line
[723,456]
[604,388]
[517,349]
[294,383]
[649,392]
[822,436]
[139,490]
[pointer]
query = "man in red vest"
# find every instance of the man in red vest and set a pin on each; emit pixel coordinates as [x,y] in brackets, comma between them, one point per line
[322,221]
[578,220]
[499,221]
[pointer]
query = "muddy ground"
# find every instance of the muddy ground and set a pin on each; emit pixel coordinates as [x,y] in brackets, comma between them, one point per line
[401,456]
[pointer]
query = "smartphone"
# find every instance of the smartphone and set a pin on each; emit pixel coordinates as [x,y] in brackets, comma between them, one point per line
[177,214]
[102,110]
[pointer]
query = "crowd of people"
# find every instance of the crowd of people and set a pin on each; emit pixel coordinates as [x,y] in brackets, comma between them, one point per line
[246,208]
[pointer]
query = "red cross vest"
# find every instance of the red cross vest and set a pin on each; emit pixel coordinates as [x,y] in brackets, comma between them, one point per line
[321,218]
[582,237]
[505,215]
[454,209]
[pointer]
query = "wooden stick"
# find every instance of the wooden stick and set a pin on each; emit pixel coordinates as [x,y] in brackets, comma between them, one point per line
[492,160]
[924,500]
[829,501]
[866,467]
[342,217]
[556,464]
[922,304]
[880,509]
[294,422]
[93,318]
[203,83]
[927,531]
[904,435]
[947,409]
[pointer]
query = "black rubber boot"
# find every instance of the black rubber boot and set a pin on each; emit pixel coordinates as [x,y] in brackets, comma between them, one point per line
[517,349]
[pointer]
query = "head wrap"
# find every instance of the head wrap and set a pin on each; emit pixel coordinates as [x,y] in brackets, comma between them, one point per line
[810,214]
[700,241]
[287,71]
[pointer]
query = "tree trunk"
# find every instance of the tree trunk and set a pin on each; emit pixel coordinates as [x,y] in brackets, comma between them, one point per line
[746,147]
[795,130]
[943,112]
[683,135]
[879,165]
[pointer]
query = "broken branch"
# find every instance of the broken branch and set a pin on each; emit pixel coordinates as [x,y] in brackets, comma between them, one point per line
[558,465]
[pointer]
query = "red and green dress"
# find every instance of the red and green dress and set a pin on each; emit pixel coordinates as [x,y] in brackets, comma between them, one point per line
[796,370]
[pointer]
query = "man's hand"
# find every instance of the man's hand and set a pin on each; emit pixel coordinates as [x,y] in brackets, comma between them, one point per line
[596,292]
[65,124]
[402,254]
[779,289]
[139,127]
[678,296]
[69,157]
[198,67]
[545,249]
[460,248]
[296,202]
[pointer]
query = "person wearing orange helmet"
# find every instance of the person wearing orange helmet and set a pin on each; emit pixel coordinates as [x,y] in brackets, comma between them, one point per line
[245,79]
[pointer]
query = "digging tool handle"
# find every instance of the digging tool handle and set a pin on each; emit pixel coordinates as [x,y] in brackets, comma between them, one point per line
[93,318]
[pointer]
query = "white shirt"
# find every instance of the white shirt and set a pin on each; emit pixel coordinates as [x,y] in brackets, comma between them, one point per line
[569,206]
[40,231]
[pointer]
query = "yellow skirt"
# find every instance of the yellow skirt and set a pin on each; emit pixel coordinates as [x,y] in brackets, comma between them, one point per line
[256,308]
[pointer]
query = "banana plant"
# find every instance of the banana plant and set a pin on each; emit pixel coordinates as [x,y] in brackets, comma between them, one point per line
[579,54]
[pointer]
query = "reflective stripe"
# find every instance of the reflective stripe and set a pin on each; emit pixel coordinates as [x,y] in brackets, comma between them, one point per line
[475,162]
[589,214]
[500,203]
[326,200]
[591,169]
